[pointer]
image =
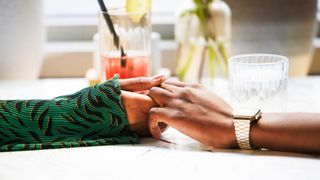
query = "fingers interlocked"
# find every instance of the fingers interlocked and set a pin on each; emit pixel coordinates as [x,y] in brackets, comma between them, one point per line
[166,96]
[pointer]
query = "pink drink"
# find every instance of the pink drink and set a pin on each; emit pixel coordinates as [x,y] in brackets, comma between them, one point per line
[133,39]
[135,67]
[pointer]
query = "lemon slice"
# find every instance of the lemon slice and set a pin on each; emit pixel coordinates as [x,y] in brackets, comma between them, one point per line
[138,8]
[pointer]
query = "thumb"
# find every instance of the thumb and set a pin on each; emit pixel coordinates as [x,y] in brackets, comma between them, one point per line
[158,121]
[141,83]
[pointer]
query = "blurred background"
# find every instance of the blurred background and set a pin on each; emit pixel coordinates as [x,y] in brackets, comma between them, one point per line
[54,38]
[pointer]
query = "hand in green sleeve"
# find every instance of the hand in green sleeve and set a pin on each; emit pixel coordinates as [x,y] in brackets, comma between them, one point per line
[93,116]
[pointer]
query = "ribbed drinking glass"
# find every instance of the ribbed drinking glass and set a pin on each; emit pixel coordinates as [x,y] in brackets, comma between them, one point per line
[259,80]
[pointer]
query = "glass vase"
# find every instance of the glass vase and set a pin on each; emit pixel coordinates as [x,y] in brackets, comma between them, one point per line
[203,34]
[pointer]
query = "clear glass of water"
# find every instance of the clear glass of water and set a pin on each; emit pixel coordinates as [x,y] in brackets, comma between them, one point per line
[259,80]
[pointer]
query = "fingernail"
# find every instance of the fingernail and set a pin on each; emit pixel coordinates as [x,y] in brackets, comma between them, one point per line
[158,78]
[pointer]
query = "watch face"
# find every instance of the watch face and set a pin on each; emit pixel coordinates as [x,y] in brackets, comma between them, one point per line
[247,114]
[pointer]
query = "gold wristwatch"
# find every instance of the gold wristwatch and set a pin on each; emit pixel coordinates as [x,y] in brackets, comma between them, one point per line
[242,119]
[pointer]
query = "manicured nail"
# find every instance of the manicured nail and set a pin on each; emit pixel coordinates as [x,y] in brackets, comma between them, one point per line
[158,78]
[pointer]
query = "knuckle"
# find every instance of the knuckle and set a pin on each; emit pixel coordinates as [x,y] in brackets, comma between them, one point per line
[177,114]
[195,85]
[183,93]
[153,111]
[175,103]
[179,108]
[152,91]
[187,91]
[180,115]
[144,80]
[141,81]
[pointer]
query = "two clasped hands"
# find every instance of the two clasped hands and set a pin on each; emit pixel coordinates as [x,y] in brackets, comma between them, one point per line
[202,115]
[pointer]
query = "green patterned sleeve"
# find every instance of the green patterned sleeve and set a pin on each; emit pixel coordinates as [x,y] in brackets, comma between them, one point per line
[90,117]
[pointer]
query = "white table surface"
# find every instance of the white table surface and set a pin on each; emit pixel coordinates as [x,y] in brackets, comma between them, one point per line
[182,158]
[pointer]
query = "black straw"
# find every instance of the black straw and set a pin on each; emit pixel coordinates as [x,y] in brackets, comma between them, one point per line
[112,30]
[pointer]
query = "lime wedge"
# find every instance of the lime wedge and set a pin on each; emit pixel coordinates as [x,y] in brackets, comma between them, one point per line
[138,8]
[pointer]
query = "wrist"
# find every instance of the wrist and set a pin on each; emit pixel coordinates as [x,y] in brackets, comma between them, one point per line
[257,132]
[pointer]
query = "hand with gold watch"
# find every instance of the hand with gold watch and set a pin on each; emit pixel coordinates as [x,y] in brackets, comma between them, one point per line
[202,115]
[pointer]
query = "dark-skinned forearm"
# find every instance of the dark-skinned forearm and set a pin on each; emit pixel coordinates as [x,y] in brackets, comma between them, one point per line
[296,132]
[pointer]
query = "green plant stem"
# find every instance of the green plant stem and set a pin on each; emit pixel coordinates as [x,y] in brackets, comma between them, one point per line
[219,56]
[212,58]
[203,57]
[182,71]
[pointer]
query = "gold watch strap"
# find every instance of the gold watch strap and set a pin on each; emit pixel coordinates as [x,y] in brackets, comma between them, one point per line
[242,129]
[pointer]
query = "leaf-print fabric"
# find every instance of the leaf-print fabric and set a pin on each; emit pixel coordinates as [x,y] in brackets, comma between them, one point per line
[90,117]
